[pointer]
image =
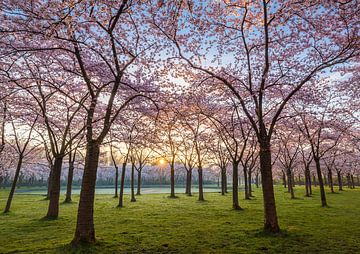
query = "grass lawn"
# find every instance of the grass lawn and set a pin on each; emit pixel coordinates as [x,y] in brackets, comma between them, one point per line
[157,224]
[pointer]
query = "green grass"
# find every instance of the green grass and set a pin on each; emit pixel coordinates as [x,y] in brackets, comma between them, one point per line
[157,224]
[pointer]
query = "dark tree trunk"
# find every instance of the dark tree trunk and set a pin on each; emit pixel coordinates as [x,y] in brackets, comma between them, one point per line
[290,183]
[321,184]
[235,189]
[250,182]
[284,179]
[340,183]
[133,199]
[188,181]
[69,182]
[172,179]
[138,189]
[246,192]
[257,180]
[201,189]
[53,208]
[122,182]
[314,180]
[116,186]
[13,186]
[270,215]
[223,175]
[352,181]
[85,231]
[348,180]
[331,181]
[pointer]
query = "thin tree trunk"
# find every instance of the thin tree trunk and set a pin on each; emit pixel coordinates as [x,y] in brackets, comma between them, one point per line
[53,208]
[352,181]
[348,180]
[85,231]
[247,196]
[331,181]
[201,189]
[172,179]
[340,183]
[138,189]
[257,180]
[116,185]
[69,181]
[122,182]
[13,186]
[235,194]
[290,183]
[284,179]
[133,199]
[250,182]
[189,182]
[321,184]
[270,220]
[314,180]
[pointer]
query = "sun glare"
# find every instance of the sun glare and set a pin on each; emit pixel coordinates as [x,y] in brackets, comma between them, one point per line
[162,161]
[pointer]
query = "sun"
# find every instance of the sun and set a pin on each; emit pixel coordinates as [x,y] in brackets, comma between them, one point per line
[162,161]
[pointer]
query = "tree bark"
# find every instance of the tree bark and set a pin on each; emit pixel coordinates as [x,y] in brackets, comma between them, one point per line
[290,183]
[122,182]
[172,179]
[13,186]
[201,189]
[284,179]
[85,231]
[352,181]
[331,180]
[138,187]
[270,216]
[69,182]
[250,182]
[116,185]
[133,199]
[246,192]
[49,182]
[53,208]
[188,182]
[235,189]
[257,180]
[321,184]
[223,181]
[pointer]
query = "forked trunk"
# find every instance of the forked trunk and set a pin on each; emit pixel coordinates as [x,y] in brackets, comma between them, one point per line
[85,231]
[270,216]
[53,208]
[235,189]
[13,186]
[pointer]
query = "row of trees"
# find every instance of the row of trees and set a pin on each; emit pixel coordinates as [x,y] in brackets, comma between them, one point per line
[261,84]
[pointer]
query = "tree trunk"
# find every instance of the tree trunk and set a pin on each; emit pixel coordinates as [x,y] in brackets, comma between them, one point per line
[85,231]
[172,179]
[69,182]
[201,189]
[235,194]
[13,186]
[321,184]
[348,180]
[53,208]
[245,170]
[116,185]
[340,183]
[250,182]
[138,189]
[290,183]
[352,181]
[189,180]
[314,180]
[133,199]
[284,179]
[331,181]
[270,216]
[122,182]
[257,180]
[222,181]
